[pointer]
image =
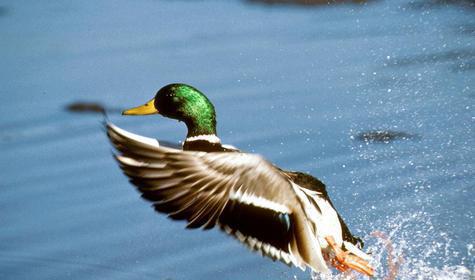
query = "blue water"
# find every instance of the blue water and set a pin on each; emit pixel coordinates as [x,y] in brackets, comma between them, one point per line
[295,84]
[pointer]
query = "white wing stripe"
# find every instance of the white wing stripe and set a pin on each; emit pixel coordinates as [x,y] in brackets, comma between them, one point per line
[257,201]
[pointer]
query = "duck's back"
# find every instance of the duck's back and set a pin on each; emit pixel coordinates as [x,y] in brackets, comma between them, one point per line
[207,146]
[311,183]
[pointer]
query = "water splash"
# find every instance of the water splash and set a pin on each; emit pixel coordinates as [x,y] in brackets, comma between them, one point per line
[425,250]
[393,265]
[408,246]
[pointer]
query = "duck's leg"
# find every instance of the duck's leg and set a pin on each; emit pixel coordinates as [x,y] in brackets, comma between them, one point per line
[344,260]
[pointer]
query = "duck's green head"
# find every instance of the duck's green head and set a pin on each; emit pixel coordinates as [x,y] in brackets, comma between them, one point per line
[184,103]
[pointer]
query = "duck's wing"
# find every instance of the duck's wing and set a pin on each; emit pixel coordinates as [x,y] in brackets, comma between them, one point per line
[242,193]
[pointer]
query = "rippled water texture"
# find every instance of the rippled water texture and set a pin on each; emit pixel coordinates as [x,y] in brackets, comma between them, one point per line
[297,84]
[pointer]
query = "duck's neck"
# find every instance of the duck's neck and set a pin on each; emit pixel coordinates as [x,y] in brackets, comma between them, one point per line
[202,131]
[206,141]
[201,126]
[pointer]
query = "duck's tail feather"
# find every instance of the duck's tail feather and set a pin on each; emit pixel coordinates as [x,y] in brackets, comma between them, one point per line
[307,247]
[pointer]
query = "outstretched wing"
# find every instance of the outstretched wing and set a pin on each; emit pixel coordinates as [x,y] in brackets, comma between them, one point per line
[242,193]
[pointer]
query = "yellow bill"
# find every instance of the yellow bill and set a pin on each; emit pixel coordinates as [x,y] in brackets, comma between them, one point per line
[146,109]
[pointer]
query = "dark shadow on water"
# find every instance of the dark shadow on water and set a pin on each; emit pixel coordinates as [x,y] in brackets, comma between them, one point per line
[85,107]
[308,2]
[383,136]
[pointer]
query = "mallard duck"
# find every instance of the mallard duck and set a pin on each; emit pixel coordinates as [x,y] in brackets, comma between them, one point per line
[285,215]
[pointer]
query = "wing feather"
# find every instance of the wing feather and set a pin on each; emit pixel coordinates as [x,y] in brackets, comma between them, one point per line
[219,188]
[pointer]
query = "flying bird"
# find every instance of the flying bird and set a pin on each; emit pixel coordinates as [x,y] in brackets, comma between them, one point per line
[284,215]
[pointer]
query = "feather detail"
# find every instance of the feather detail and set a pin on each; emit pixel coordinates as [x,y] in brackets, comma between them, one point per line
[246,196]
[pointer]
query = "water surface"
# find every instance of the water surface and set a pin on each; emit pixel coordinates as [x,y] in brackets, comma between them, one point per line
[295,84]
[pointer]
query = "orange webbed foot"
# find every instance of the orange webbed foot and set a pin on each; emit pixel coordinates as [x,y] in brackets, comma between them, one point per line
[343,260]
